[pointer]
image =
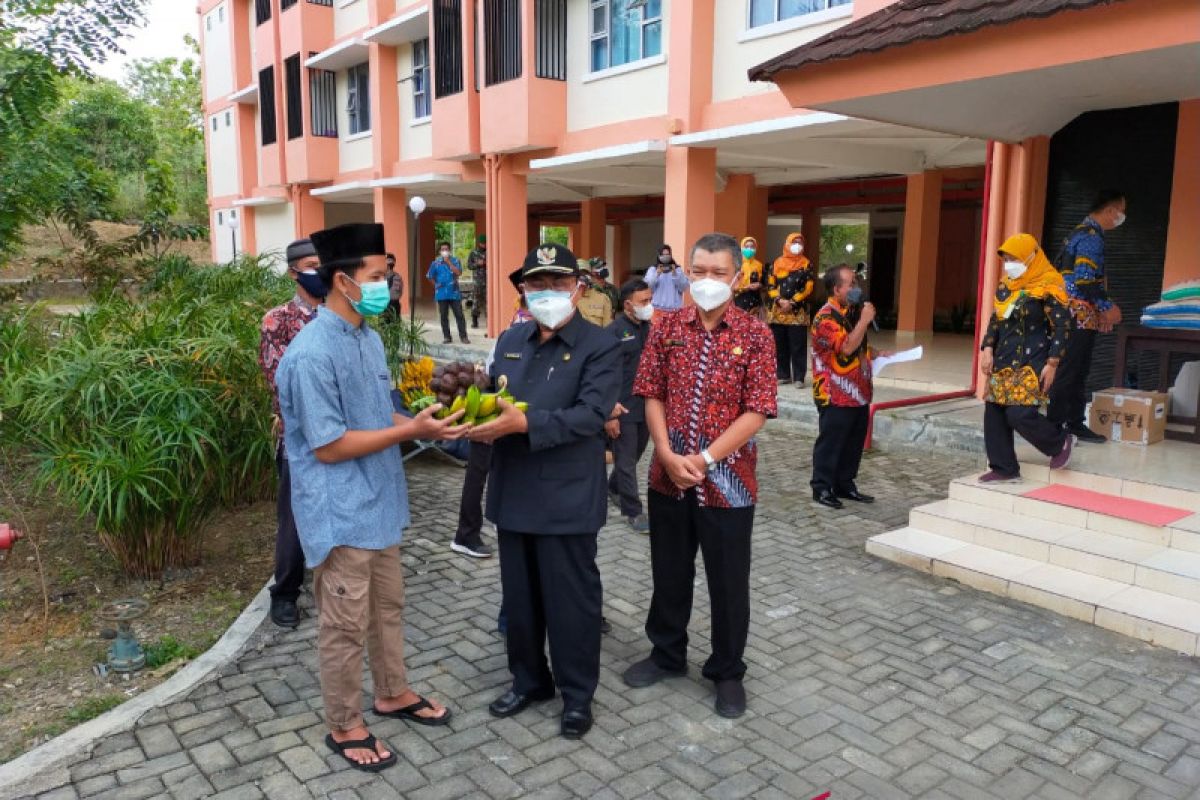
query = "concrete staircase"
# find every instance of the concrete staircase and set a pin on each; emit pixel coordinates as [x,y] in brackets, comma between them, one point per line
[1138,579]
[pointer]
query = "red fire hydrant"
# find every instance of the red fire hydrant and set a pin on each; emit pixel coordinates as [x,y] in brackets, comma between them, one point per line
[9,536]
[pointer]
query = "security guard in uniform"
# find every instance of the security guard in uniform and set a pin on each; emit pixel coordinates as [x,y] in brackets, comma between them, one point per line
[546,489]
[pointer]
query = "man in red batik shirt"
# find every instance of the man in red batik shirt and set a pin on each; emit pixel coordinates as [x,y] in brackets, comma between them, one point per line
[279,326]
[841,388]
[708,376]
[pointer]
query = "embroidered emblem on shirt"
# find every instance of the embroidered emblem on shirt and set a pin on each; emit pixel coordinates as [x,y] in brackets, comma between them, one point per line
[737,351]
[546,255]
[566,356]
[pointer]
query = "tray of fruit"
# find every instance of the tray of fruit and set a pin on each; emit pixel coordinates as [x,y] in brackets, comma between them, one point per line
[462,386]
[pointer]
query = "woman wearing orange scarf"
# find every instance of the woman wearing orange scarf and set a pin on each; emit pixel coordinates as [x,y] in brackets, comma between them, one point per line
[1026,338]
[789,283]
[747,292]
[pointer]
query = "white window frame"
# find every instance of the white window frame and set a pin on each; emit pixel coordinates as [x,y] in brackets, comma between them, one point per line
[831,9]
[606,35]
[423,99]
[354,123]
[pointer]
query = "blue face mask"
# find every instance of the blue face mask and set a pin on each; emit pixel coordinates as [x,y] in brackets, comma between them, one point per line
[311,282]
[375,298]
[855,296]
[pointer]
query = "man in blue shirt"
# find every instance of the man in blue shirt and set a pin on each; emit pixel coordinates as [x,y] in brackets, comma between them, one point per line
[349,496]
[445,272]
[1082,265]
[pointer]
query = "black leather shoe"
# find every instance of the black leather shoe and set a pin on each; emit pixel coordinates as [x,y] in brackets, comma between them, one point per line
[731,699]
[576,723]
[511,703]
[284,612]
[828,499]
[648,673]
[856,496]
[1085,434]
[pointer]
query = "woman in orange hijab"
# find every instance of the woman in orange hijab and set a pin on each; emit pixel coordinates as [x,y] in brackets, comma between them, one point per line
[747,292]
[1026,338]
[789,283]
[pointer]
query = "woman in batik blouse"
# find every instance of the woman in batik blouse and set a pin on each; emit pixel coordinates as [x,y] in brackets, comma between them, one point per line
[1025,341]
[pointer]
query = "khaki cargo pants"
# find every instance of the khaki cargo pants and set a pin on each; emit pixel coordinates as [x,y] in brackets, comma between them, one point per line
[360,599]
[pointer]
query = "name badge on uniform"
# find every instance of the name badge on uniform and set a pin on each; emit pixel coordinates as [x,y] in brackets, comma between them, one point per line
[674,342]
[628,337]
[513,356]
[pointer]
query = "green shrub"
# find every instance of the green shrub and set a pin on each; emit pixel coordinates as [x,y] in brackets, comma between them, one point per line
[150,414]
[93,707]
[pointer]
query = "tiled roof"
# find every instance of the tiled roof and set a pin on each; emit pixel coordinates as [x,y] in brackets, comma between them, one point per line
[910,21]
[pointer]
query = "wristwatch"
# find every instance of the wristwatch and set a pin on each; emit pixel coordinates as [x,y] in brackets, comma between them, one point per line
[709,462]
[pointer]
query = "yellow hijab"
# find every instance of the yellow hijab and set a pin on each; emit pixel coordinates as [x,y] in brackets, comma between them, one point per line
[750,265]
[1040,280]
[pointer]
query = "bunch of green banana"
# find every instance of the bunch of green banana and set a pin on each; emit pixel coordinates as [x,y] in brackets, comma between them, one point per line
[480,408]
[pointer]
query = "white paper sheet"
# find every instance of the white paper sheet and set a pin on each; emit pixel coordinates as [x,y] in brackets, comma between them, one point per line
[896,358]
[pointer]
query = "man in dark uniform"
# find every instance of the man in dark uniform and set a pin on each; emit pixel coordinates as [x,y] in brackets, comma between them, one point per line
[627,429]
[546,489]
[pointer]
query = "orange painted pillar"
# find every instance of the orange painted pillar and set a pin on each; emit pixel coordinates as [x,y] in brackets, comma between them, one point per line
[480,223]
[573,238]
[689,208]
[810,229]
[308,212]
[533,234]
[391,211]
[592,229]
[385,109]
[1183,228]
[247,236]
[507,193]
[741,209]
[918,262]
[426,247]
[621,271]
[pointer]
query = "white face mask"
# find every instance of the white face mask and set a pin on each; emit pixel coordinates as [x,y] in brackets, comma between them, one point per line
[1120,220]
[644,313]
[708,293]
[549,307]
[1014,269]
[796,248]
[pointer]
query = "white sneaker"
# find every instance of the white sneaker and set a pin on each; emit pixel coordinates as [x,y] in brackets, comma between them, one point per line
[480,550]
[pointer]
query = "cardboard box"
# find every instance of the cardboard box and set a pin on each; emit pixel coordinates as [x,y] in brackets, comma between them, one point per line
[1129,415]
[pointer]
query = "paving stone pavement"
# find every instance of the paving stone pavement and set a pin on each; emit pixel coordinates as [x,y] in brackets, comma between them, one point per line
[866,680]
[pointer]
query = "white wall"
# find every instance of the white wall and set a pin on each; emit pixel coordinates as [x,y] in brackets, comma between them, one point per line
[416,141]
[218,62]
[629,95]
[273,231]
[733,58]
[349,16]
[222,148]
[222,234]
[354,152]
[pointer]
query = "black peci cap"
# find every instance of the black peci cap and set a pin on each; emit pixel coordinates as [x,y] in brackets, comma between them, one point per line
[349,244]
[551,259]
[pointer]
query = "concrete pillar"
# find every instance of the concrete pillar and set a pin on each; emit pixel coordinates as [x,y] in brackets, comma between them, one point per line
[507,192]
[689,207]
[810,229]
[621,271]
[741,209]
[592,229]
[391,211]
[385,109]
[426,247]
[533,234]
[480,222]
[1183,230]
[573,236]
[308,212]
[918,261]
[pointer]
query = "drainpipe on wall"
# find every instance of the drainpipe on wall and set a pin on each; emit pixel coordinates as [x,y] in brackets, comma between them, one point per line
[979,296]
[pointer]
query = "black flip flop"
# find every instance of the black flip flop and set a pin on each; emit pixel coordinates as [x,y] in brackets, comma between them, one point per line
[365,744]
[410,713]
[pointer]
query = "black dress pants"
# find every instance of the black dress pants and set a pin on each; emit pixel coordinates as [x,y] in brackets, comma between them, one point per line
[551,587]
[289,557]
[444,309]
[1068,393]
[791,351]
[723,537]
[839,448]
[470,507]
[999,422]
[627,451]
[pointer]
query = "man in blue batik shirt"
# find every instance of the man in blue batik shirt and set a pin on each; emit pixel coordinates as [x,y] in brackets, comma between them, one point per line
[349,495]
[1082,265]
